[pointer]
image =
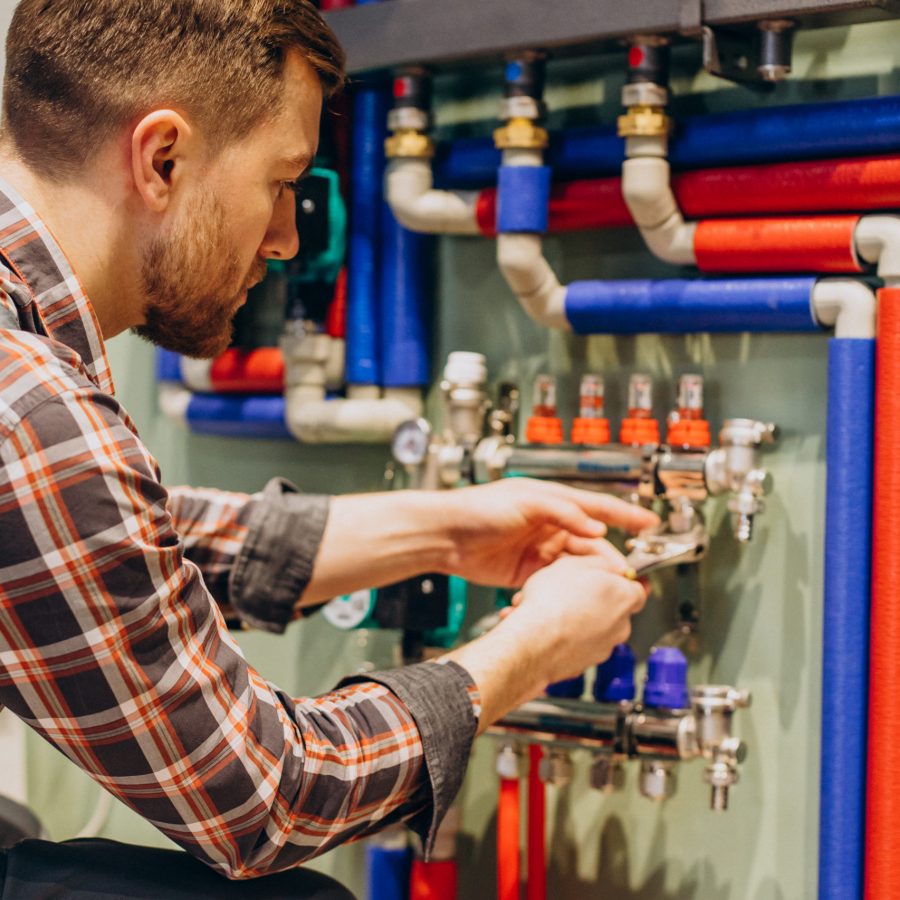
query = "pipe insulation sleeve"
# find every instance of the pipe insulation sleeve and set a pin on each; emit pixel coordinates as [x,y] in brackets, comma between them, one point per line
[436,880]
[370,109]
[679,307]
[536,835]
[404,326]
[246,417]
[508,864]
[168,366]
[882,875]
[387,872]
[819,186]
[773,134]
[848,544]
[524,199]
[249,371]
[824,244]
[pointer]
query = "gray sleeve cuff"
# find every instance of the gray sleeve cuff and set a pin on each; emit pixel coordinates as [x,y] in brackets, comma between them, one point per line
[439,697]
[275,564]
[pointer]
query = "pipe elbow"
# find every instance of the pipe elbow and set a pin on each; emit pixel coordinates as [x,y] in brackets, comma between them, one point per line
[521,261]
[418,207]
[312,420]
[846,305]
[647,190]
[877,241]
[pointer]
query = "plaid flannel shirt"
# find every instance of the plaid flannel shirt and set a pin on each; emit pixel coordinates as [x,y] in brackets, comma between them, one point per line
[113,643]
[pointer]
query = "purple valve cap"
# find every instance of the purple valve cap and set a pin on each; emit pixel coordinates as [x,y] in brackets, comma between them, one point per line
[571,688]
[666,685]
[615,677]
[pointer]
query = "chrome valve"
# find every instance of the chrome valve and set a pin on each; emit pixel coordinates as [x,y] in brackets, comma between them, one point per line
[735,468]
[714,707]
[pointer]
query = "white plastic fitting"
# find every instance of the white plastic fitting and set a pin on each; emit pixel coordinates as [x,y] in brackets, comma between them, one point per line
[409,186]
[522,263]
[647,190]
[174,401]
[878,241]
[351,421]
[846,305]
[197,375]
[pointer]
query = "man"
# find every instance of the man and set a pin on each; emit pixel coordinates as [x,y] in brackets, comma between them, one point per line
[148,155]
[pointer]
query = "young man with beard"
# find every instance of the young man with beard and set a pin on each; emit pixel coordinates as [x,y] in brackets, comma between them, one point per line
[148,155]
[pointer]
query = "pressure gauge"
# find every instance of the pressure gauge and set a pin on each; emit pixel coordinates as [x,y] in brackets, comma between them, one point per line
[352,611]
[411,442]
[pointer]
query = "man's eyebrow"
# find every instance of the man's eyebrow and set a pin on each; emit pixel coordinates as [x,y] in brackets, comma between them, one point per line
[301,162]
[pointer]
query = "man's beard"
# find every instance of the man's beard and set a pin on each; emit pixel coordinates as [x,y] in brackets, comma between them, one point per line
[192,284]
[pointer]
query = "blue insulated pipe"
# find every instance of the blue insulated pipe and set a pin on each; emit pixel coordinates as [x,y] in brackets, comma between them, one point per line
[845,657]
[679,307]
[245,417]
[369,129]
[772,134]
[168,366]
[405,311]
[387,872]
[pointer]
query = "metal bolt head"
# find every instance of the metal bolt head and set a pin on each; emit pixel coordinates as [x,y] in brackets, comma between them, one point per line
[607,774]
[556,768]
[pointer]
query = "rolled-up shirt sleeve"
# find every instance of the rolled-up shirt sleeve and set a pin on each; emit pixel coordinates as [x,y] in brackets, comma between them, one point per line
[112,648]
[255,552]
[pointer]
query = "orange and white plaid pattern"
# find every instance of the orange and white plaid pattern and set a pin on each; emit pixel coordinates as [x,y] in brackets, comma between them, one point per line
[113,643]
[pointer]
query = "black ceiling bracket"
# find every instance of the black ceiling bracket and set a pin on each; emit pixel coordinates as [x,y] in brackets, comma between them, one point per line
[734,54]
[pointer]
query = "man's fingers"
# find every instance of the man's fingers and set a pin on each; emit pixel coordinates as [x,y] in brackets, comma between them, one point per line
[598,507]
[578,546]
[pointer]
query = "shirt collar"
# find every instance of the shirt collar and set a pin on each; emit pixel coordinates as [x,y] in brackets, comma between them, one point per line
[62,304]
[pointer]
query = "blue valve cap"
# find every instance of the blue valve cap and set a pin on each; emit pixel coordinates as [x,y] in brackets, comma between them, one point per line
[571,688]
[666,685]
[615,677]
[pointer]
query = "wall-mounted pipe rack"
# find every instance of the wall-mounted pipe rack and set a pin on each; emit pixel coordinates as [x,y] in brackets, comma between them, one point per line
[404,32]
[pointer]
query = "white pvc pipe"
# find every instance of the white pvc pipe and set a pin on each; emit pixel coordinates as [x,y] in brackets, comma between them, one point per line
[197,375]
[409,187]
[847,305]
[530,277]
[348,421]
[878,241]
[647,190]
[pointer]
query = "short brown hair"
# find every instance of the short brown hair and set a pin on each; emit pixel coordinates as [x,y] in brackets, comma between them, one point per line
[77,71]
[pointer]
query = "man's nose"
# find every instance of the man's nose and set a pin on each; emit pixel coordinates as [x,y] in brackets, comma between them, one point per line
[282,240]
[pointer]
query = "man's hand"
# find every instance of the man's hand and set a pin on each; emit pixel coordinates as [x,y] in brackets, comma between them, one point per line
[503,533]
[569,617]
[498,534]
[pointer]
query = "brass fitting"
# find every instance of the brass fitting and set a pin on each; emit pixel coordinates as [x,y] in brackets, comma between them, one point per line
[521,134]
[645,121]
[409,143]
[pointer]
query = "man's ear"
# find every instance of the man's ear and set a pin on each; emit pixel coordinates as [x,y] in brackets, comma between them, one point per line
[161,144]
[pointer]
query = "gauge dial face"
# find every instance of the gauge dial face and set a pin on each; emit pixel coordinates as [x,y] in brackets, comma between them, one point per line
[347,613]
[411,440]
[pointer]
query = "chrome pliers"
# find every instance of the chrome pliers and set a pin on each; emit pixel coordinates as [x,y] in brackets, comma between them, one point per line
[661,548]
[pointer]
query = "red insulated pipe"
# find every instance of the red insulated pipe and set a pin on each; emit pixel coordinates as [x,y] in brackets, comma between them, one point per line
[336,323]
[821,244]
[833,185]
[508,867]
[536,886]
[574,206]
[249,371]
[828,185]
[882,822]
[433,880]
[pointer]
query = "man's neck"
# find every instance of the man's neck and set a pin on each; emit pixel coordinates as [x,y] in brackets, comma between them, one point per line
[91,232]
